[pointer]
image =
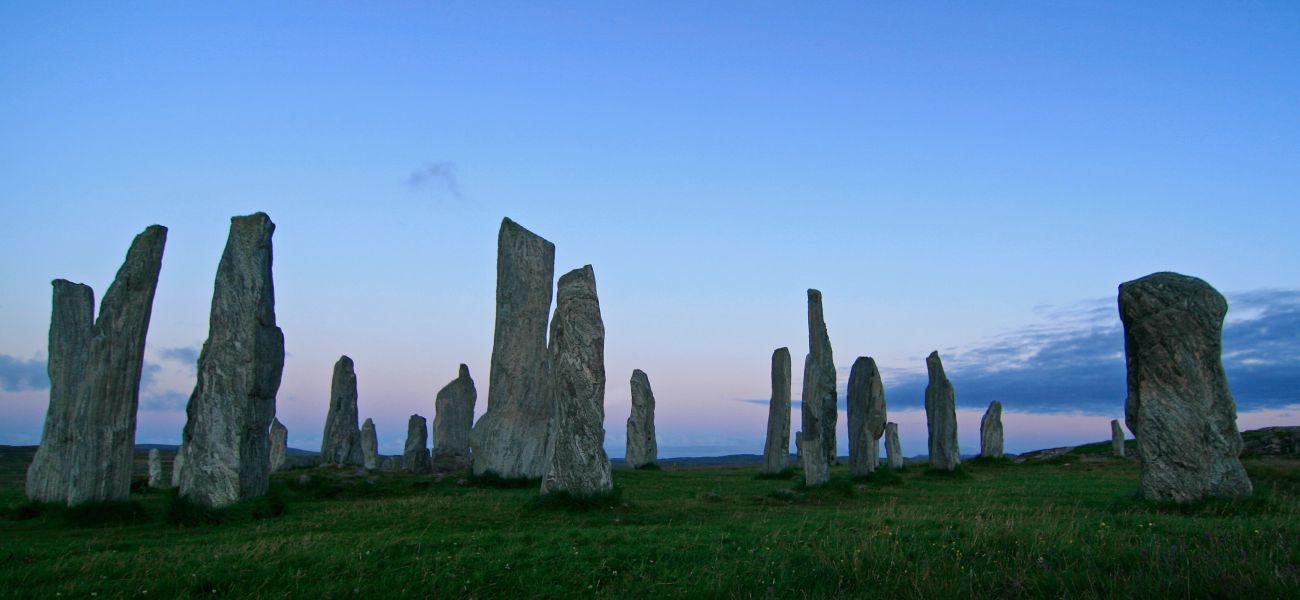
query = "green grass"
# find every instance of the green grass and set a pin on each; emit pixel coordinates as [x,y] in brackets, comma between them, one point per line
[999,530]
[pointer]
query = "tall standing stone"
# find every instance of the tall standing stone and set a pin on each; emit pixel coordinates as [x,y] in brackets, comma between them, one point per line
[820,398]
[893,449]
[178,463]
[88,443]
[575,447]
[776,452]
[416,455]
[1116,438]
[1179,406]
[279,444]
[453,422]
[867,414]
[341,443]
[642,449]
[227,441]
[369,446]
[509,440]
[155,469]
[941,417]
[991,431]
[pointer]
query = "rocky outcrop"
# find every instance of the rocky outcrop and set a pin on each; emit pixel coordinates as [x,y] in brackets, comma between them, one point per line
[893,449]
[576,462]
[776,452]
[453,422]
[820,411]
[279,444]
[415,457]
[1116,438]
[642,449]
[88,443]
[991,431]
[941,417]
[509,440]
[1179,406]
[369,446]
[227,441]
[341,442]
[866,405]
[155,469]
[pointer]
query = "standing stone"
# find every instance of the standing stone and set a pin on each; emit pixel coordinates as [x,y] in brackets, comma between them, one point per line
[798,448]
[575,447]
[155,469]
[776,452]
[509,440]
[88,443]
[227,444]
[941,417]
[820,398]
[642,449]
[991,431]
[1116,438]
[390,463]
[341,443]
[816,471]
[893,449]
[279,444]
[416,455]
[453,422]
[866,400]
[369,445]
[1179,406]
[178,463]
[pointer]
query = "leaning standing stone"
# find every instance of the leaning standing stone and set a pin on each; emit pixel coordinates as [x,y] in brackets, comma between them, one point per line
[642,449]
[866,405]
[941,417]
[1179,406]
[279,444]
[893,449]
[776,452]
[369,446]
[1116,438]
[576,462]
[227,444]
[453,422]
[416,456]
[991,431]
[155,469]
[341,443]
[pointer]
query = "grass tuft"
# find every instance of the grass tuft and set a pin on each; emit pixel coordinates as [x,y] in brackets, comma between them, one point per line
[782,475]
[650,467]
[881,476]
[958,473]
[491,480]
[835,486]
[575,503]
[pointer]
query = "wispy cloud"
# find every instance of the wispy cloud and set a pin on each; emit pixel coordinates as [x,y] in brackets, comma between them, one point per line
[18,374]
[439,173]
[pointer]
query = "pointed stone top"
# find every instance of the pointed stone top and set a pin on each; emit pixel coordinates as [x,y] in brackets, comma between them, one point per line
[464,371]
[275,422]
[867,363]
[344,360]
[512,228]
[638,373]
[369,423]
[934,366]
[414,419]
[995,405]
[578,283]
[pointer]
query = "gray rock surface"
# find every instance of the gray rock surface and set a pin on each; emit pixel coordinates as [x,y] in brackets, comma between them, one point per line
[509,440]
[1116,438]
[178,463]
[369,445]
[155,469]
[415,457]
[893,449]
[88,443]
[575,447]
[642,449]
[341,442]
[798,448]
[227,440]
[1179,406]
[816,471]
[866,407]
[452,423]
[776,452]
[820,397]
[390,463]
[991,431]
[279,444]
[941,417]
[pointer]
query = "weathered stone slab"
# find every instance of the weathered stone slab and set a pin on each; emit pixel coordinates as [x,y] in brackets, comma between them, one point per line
[390,463]
[893,449]
[279,444]
[941,417]
[1116,438]
[155,469]
[415,457]
[776,451]
[369,445]
[820,410]
[816,471]
[642,449]
[453,422]
[178,463]
[341,442]
[1179,406]
[866,407]
[576,462]
[227,440]
[991,431]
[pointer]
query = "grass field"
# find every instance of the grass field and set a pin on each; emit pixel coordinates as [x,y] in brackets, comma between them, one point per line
[1070,527]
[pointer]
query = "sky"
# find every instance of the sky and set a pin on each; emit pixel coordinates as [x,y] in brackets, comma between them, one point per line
[975,179]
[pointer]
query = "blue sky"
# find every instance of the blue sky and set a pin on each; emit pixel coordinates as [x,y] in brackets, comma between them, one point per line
[967,178]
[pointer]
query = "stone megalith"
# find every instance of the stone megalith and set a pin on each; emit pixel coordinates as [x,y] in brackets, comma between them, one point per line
[279,444]
[155,469]
[88,443]
[893,449]
[776,452]
[369,445]
[341,442]
[1179,406]
[816,471]
[941,417]
[576,462]
[452,423]
[178,463]
[390,463]
[820,398]
[1116,438]
[227,439]
[991,431]
[642,449]
[509,440]
[798,448]
[415,458]
[866,400]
